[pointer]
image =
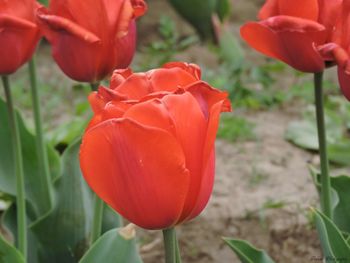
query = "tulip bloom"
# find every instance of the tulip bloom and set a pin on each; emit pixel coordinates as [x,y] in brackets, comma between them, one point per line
[149,150]
[19,33]
[306,34]
[91,38]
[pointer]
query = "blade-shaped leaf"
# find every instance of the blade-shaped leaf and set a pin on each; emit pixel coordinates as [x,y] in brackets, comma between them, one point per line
[8,253]
[341,213]
[64,232]
[198,13]
[247,253]
[36,191]
[115,246]
[334,245]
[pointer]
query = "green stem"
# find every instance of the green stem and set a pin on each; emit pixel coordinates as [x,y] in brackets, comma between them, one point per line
[97,220]
[172,254]
[325,179]
[178,255]
[98,203]
[18,159]
[40,145]
[94,86]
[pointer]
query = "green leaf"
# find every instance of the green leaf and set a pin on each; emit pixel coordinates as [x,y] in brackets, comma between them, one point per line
[64,233]
[8,253]
[198,13]
[223,9]
[333,244]
[341,213]
[303,134]
[231,51]
[247,253]
[340,198]
[115,246]
[339,152]
[36,191]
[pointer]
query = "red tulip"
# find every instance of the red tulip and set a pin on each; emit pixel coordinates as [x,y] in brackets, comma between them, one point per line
[306,34]
[91,38]
[19,33]
[292,31]
[149,149]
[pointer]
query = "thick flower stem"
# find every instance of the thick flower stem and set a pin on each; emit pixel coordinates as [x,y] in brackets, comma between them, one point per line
[325,179]
[19,175]
[171,246]
[40,145]
[97,220]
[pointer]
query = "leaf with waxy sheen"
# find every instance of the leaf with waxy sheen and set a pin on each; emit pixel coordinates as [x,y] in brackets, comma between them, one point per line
[64,233]
[8,253]
[334,245]
[36,191]
[115,246]
[340,198]
[247,253]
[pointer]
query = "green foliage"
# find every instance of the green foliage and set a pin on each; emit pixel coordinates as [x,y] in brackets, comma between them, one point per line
[8,253]
[340,198]
[199,14]
[115,246]
[164,50]
[335,247]
[235,129]
[304,133]
[44,2]
[246,252]
[37,193]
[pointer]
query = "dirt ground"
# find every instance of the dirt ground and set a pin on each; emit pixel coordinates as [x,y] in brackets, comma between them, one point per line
[263,190]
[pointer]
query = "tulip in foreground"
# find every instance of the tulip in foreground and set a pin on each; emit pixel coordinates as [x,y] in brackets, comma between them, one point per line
[91,38]
[149,149]
[19,34]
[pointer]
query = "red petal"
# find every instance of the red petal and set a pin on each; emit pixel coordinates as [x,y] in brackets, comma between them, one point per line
[291,40]
[308,9]
[190,126]
[152,113]
[191,68]
[24,9]
[269,9]
[138,171]
[207,96]
[77,51]
[344,81]
[140,85]
[18,38]
[130,9]
[208,160]
[89,14]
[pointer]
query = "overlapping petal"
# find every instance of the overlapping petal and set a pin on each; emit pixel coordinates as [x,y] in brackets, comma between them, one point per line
[19,34]
[144,176]
[292,40]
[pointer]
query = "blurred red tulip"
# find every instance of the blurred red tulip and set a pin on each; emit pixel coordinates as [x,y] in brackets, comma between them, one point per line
[149,149]
[19,33]
[306,34]
[91,38]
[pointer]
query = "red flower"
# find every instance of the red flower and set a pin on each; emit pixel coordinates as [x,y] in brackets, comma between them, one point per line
[91,38]
[19,33]
[149,149]
[293,31]
[306,34]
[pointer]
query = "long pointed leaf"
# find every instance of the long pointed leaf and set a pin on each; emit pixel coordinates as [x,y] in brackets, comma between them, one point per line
[247,253]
